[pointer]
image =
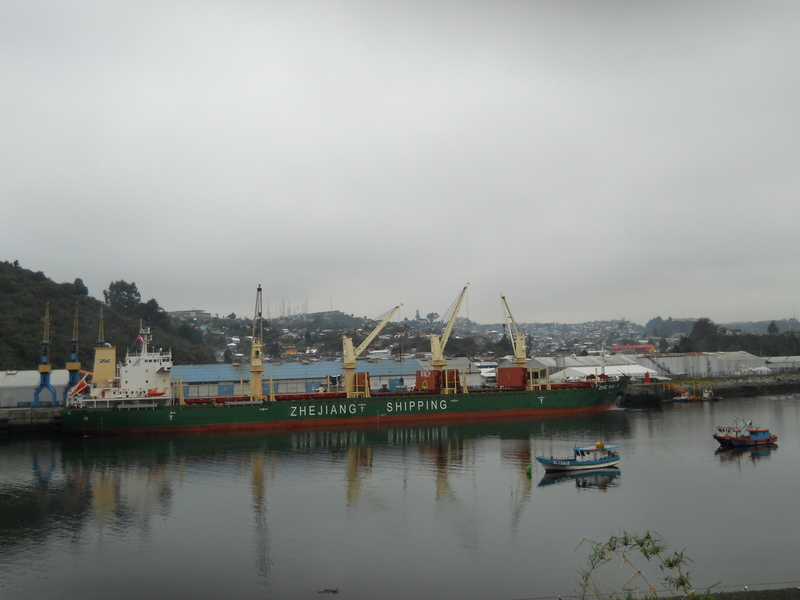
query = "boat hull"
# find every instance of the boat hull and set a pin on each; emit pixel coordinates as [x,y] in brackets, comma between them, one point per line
[553,465]
[334,413]
[743,442]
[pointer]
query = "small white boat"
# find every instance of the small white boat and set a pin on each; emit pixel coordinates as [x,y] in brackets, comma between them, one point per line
[599,456]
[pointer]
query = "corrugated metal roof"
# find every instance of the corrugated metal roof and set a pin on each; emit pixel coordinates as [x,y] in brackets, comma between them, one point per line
[775,360]
[561,362]
[312,370]
[574,372]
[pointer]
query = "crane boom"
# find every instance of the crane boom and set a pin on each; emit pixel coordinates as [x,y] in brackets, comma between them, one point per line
[515,335]
[439,342]
[350,355]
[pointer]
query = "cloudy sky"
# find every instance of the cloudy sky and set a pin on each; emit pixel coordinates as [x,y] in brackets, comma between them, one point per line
[590,160]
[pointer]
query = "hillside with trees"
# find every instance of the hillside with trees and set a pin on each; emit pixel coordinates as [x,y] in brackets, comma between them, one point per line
[26,296]
[706,336]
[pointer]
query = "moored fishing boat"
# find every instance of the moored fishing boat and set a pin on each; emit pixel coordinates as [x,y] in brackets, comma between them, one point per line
[743,435]
[599,456]
[141,399]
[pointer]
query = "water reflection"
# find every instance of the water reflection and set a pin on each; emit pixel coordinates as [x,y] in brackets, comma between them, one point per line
[751,454]
[177,496]
[370,512]
[585,480]
[130,478]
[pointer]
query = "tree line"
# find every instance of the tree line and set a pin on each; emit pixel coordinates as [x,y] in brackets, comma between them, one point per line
[26,296]
[706,336]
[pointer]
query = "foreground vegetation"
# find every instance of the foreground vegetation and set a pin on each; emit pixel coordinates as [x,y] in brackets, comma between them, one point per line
[646,563]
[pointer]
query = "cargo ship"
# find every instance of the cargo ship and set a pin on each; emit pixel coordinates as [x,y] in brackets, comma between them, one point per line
[140,397]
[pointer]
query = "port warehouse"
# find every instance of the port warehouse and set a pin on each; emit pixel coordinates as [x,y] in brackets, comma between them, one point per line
[17,387]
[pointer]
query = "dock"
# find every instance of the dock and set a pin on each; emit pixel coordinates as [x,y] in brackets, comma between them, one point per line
[30,420]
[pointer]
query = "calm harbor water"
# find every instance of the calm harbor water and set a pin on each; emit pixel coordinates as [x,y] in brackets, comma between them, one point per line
[414,512]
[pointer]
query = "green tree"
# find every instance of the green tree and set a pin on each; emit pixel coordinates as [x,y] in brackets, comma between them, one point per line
[152,314]
[80,287]
[772,329]
[704,337]
[190,334]
[123,297]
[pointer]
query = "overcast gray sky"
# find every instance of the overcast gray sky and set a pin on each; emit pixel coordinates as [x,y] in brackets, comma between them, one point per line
[590,160]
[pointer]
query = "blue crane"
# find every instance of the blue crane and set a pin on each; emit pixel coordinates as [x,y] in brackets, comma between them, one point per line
[44,363]
[73,363]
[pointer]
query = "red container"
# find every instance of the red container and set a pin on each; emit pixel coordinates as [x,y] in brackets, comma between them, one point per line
[428,380]
[512,376]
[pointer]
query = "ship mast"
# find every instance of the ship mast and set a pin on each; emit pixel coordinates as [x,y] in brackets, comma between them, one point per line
[515,335]
[350,355]
[256,358]
[439,342]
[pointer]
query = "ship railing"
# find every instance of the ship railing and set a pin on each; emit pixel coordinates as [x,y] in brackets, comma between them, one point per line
[538,379]
[136,405]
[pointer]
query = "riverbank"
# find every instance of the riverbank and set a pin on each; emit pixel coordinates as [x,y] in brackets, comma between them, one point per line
[781,594]
[648,395]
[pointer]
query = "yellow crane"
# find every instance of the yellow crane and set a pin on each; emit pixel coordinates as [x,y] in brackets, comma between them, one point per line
[350,355]
[515,335]
[256,352]
[439,342]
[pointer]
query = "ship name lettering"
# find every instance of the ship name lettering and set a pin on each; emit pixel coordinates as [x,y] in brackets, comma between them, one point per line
[321,410]
[415,405]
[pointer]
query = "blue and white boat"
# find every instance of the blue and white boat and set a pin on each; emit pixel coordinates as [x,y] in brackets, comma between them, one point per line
[599,456]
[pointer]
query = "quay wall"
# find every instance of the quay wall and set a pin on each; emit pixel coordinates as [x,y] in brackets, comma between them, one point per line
[30,421]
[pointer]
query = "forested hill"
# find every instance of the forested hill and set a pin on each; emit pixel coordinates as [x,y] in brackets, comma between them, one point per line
[25,296]
[24,299]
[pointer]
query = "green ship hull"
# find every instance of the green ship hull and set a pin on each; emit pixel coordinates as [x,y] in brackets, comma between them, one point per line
[317,412]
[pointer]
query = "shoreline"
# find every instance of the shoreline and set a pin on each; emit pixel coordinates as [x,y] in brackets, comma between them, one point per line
[652,395]
[778,594]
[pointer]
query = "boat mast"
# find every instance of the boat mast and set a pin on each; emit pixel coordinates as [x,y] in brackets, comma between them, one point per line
[439,342]
[515,335]
[256,358]
[350,355]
